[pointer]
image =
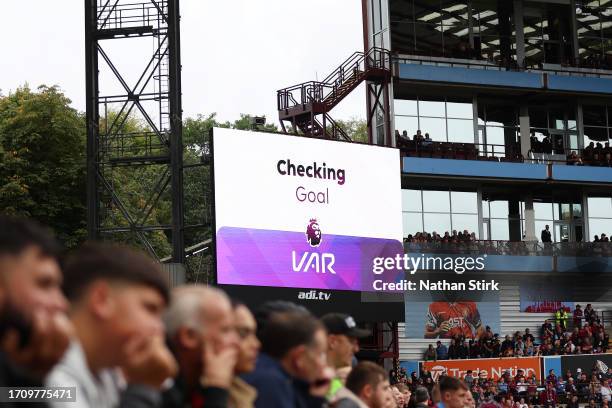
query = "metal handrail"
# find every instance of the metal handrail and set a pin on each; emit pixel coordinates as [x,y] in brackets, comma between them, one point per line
[499,247]
[319,91]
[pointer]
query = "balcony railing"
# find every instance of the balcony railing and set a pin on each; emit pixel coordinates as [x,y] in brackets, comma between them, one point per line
[526,248]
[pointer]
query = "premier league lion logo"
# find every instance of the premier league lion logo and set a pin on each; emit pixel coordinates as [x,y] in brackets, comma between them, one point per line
[313,233]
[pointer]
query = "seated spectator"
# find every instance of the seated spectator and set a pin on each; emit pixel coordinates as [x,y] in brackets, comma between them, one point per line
[292,357]
[369,385]
[118,296]
[605,392]
[427,140]
[506,345]
[441,351]
[548,397]
[34,329]
[202,331]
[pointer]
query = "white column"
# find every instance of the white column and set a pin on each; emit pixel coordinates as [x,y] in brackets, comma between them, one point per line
[525,133]
[529,219]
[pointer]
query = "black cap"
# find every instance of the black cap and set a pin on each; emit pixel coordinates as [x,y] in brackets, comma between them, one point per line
[338,323]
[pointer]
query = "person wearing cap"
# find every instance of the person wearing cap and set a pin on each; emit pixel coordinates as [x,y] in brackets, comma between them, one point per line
[342,344]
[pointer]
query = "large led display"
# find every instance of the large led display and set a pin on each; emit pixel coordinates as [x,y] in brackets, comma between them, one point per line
[301,212]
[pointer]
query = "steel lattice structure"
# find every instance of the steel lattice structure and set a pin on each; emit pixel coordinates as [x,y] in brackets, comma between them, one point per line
[116,152]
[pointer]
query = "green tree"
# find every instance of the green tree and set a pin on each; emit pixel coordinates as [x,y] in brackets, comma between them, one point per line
[355,128]
[42,160]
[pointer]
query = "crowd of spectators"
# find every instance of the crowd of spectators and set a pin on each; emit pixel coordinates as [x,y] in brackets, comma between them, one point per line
[587,336]
[591,386]
[454,237]
[420,145]
[103,320]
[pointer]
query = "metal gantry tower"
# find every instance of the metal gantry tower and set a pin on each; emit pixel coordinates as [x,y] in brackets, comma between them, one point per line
[150,155]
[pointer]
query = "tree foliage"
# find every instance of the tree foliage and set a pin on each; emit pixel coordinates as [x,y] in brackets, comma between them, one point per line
[42,160]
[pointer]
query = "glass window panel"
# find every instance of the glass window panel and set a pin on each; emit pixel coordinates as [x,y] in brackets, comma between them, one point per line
[405,107]
[594,115]
[464,202]
[577,211]
[499,209]
[431,108]
[408,123]
[467,222]
[543,211]
[563,212]
[595,134]
[459,110]
[436,201]
[439,223]
[411,200]
[460,131]
[485,209]
[495,136]
[500,230]
[598,226]
[412,223]
[600,207]
[435,127]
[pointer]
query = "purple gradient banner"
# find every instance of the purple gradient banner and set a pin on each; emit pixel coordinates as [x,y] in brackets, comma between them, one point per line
[257,257]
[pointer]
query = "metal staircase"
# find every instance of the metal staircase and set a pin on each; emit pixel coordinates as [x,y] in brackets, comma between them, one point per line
[306,106]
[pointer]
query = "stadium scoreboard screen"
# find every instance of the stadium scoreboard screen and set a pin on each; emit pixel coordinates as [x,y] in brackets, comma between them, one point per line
[296,212]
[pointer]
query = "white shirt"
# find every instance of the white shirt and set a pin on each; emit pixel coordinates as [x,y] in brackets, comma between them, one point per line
[92,391]
[606,393]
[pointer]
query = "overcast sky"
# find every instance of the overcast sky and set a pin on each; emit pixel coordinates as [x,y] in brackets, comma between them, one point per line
[235,53]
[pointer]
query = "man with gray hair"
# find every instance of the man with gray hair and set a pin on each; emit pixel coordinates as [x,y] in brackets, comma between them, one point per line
[202,335]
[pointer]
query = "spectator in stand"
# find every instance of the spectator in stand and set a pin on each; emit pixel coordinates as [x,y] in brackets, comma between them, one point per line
[606,393]
[589,313]
[578,315]
[552,377]
[427,141]
[528,335]
[464,350]
[546,236]
[441,351]
[293,356]
[548,397]
[369,385]
[418,137]
[118,296]
[529,348]
[506,346]
[519,347]
[430,353]
[573,401]
[453,352]
[202,332]
[34,329]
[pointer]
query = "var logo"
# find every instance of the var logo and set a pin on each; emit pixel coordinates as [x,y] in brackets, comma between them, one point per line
[321,263]
[314,295]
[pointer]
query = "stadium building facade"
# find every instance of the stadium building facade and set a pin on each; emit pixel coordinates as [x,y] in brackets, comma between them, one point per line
[502,110]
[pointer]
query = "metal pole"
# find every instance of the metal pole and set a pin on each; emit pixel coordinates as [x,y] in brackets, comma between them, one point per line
[92,117]
[176,132]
